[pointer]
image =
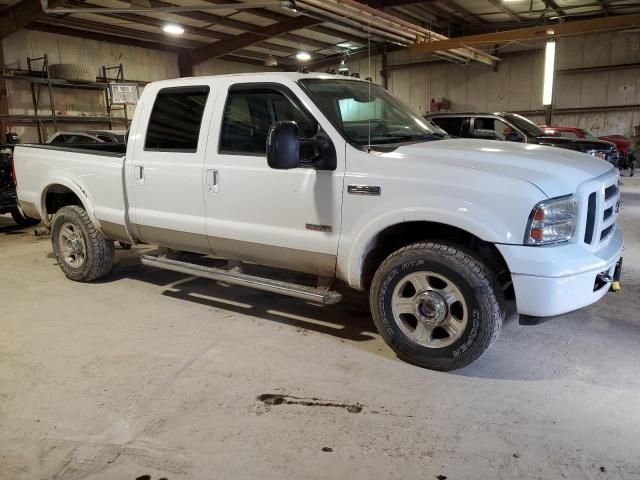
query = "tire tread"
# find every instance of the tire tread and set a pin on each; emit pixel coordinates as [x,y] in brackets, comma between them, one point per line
[100,250]
[492,297]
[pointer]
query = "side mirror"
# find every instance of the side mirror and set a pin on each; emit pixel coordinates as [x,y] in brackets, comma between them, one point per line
[283,145]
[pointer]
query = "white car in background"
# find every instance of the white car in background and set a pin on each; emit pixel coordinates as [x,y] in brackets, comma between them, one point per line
[88,137]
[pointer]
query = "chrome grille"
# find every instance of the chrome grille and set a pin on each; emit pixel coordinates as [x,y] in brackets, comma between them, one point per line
[603,203]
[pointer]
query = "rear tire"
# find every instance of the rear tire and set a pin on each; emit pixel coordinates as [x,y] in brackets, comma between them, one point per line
[83,253]
[21,219]
[436,305]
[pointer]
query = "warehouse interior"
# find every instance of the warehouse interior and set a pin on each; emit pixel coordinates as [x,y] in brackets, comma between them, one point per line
[153,373]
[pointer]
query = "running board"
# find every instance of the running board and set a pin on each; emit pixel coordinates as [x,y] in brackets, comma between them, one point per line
[251,281]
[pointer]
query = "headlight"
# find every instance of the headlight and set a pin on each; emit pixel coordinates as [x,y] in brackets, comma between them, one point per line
[552,221]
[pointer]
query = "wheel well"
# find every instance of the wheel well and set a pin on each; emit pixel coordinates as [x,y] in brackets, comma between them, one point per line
[59,196]
[397,236]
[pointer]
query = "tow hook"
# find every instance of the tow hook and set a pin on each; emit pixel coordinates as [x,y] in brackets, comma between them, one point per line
[614,284]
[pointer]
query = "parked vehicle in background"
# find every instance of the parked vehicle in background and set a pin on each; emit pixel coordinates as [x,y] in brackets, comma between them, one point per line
[109,136]
[516,128]
[8,197]
[73,138]
[621,142]
[336,178]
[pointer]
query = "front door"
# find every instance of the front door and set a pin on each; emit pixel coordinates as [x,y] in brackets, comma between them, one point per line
[282,218]
[166,169]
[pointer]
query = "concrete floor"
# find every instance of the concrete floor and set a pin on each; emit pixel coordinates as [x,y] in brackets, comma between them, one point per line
[154,374]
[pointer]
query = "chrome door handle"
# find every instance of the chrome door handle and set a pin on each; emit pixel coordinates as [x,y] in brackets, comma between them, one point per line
[138,173]
[213,177]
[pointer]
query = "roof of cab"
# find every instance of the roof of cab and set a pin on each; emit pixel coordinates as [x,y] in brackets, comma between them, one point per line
[259,76]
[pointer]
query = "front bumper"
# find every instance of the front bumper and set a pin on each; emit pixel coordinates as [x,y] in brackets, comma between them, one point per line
[554,280]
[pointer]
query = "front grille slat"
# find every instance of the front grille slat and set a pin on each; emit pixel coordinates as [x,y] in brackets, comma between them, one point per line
[610,191]
[591,218]
[606,232]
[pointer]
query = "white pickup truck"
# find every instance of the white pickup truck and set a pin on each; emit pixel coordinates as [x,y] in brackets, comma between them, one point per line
[334,177]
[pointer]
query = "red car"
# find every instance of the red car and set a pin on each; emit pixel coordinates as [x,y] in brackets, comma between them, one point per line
[622,143]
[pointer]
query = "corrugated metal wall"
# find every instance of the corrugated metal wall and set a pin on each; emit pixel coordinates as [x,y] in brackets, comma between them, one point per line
[516,85]
[617,87]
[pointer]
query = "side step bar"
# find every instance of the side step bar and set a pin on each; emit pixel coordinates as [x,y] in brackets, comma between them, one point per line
[251,281]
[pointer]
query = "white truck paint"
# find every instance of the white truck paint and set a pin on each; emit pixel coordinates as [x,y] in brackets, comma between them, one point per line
[305,219]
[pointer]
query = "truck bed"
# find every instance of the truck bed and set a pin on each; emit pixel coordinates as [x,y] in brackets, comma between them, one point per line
[91,172]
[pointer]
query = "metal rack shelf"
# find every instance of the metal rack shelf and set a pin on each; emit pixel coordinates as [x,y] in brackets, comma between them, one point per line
[39,78]
[63,119]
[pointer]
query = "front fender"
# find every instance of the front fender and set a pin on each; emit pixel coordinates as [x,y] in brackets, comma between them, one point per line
[489,220]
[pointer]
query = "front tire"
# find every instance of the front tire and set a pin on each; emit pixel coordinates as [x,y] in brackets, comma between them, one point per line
[83,253]
[436,305]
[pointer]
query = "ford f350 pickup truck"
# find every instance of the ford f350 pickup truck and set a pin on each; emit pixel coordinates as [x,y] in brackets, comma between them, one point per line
[336,178]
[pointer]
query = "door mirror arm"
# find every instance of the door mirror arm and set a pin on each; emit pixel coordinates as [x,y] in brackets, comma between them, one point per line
[321,154]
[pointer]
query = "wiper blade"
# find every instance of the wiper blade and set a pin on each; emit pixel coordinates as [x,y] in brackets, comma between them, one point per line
[406,136]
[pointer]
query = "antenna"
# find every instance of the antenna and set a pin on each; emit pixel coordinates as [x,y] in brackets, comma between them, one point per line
[369,67]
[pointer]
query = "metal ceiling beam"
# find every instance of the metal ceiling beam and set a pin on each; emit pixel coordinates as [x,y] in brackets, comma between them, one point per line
[19,15]
[103,37]
[114,30]
[554,6]
[380,4]
[457,10]
[202,32]
[384,25]
[550,31]
[279,17]
[171,9]
[213,19]
[219,49]
[505,9]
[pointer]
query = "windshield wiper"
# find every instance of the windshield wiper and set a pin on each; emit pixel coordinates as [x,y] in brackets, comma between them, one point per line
[417,136]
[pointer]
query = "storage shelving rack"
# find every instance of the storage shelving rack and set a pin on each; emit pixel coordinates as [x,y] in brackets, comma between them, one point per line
[39,78]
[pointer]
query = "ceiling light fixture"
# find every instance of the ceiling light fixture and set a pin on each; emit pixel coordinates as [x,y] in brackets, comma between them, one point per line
[172,29]
[549,67]
[303,56]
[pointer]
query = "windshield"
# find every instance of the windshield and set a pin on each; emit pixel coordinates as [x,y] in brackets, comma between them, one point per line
[527,126]
[588,135]
[366,113]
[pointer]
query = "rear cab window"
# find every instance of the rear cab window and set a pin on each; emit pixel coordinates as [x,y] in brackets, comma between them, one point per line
[176,119]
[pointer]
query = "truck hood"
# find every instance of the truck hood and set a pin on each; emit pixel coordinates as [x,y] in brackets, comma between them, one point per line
[555,171]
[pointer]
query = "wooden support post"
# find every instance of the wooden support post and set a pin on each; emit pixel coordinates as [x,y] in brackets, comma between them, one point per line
[4,99]
[185,64]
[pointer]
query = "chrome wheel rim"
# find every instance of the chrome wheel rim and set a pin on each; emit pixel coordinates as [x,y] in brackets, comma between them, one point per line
[72,245]
[429,309]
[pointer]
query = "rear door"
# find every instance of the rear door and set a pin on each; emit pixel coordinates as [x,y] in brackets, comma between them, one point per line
[167,168]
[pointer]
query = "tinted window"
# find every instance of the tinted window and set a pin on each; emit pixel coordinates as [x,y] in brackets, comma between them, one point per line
[248,115]
[174,124]
[451,125]
[568,134]
[493,128]
[80,139]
